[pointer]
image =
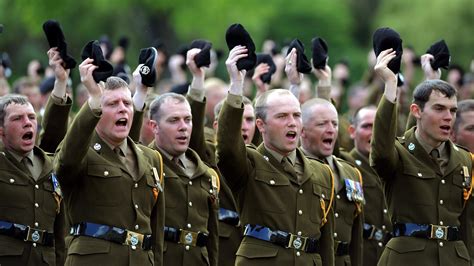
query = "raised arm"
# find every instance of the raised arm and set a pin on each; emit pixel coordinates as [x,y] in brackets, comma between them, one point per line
[383,155]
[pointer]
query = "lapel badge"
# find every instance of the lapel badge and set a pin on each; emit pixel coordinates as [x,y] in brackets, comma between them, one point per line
[97,147]
[411,146]
[358,162]
[265,157]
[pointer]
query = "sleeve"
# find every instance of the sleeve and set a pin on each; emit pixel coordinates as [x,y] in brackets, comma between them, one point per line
[213,244]
[136,127]
[326,241]
[198,142]
[54,124]
[60,232]
[158,223]
[355,248]
[383,154]
[71,155]
[231,151]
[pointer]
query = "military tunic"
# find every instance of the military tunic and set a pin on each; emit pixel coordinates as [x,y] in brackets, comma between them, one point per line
[375,208]
[230,235]
[418,192]
[270,197]
[30,202]
[98,188]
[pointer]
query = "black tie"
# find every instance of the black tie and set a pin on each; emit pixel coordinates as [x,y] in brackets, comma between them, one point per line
[288,167]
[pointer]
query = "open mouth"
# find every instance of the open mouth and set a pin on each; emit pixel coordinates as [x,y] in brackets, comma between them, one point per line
[328,142]
[182,139]
[445,129]
[291,135]
[27,136]
[122,122]
[245,137]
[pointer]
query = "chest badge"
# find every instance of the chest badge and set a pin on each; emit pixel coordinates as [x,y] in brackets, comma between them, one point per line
[97,147]
[411,146]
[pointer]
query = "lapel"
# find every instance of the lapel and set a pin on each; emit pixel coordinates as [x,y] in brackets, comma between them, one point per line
[414,147]
[21,167]
[454,157]
[47,166]
[307,173]
[362,161]
[139,157]
[201,167]
[103,149]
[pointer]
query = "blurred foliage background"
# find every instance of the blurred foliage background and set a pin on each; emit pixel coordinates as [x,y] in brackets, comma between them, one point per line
[347,25]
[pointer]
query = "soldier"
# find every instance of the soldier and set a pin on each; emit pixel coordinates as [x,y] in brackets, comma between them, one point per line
[463,130]
[191,233]
[32,217]
[230,233]
[286,209]
[111,185]
[427,179]
[377,225]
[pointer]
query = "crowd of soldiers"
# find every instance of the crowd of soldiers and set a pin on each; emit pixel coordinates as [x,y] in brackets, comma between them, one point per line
[199,174]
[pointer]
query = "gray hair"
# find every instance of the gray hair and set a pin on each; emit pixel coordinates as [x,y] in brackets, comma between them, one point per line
[463,106]
[261,102]
[155,113]
[307,108]
[8,99]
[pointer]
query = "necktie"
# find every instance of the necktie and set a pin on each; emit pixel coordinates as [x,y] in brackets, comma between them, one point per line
[122,157]
[288,167]
[435,155]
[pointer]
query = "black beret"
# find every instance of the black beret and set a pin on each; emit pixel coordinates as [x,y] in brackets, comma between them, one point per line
[320,52]
[237,35]
[55,37]
[441,55]
[183,51]
[105,69]
[148,57]
[203,58]
[302,64]
[124,42]
[385,38]
[121,71]
[267,59]
[47,85]
[180,88]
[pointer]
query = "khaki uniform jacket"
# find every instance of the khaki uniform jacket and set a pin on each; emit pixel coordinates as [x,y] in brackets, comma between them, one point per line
[98,188]
[375,208]
[30,202]
[229,236]
[417,192]
[190,205]
[268,196]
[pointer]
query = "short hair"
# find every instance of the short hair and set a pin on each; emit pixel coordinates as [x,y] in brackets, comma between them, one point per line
[113,83]
[306,108]
[8,99]
[422,92]
[218,107]
[463,107]
[155,113]
[261,102]
[356,117]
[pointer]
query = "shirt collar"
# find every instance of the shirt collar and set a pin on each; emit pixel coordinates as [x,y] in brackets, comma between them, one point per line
[291,156]
[427,147]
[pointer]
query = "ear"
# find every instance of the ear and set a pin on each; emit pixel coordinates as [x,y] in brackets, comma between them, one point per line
[453,136]
[154,126]
[415,110]
[215,125]
[260,125]
[351,130]
[303,133]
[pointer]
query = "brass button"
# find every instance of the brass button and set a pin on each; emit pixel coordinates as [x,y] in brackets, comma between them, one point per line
[12,180]
[188,226]
[272,182]
[136,185]
[300,212]
[36,224]
[187,247]
[336,215]
[37,187]
[190,204]
[106,173]
[298,253]
[137,226]
[36,205]
[300,191]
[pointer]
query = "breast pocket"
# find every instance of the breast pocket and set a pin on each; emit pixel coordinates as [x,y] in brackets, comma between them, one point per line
[49,203]
[268,191]
[319,199]
[418,186]
[14,190]
[105,186]
[456,190]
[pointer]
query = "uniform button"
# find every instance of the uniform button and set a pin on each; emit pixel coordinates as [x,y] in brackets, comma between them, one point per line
[299,233]
[384,227]
[380,244]
[136,206]
[137,226]
[134,247]
[443,181]
[385,211]
[36,205]
[272,182]
[441,201]
[322,196]
[164,174]
[420,174]
[190,204]
[188,226]
[300,191]
[106,173]
[36,224]
[440,222]
[186,247]
[300,212]
[12,180]
[335,234]
[37,187]
[298,253]
[336,215]
[441,244]
[463,184]
[136,185]
[190,183]
[211,191]
[34,245]
[338,197]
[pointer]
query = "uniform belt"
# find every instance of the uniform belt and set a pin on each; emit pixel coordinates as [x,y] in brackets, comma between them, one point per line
[229,217]
[27,233]
[372,232]
[282,238]
[185,237]
[428,231]
[341,248]
[112,234]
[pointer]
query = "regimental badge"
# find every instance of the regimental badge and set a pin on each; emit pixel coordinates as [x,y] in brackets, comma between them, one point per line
[97,147]
[157,179]
[354,191]
[56,186]
[411,146]
[144,70]
[188,238]
[35,237]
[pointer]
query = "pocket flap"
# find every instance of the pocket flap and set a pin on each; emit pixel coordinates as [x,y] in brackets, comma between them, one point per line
[272,178]
[103,170]
[251,251]
[11,248]
[225,230]
[86,245]
[419,173]
[403,245]
[461,250]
